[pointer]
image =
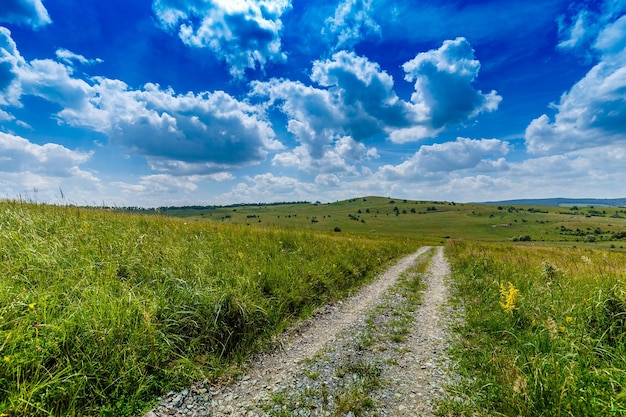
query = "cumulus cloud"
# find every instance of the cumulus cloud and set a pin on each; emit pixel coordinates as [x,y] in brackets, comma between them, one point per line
[195,133]
[26,166]
[353,20]
[463,154]
[10,62]
[443,84]
[27,12]
[355,98]
[339,157]
[244,33]
[19,154]
[593,111]
[269,187]
[364,94]
[159,185]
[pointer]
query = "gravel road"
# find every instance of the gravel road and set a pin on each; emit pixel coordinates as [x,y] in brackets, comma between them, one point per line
[378,353]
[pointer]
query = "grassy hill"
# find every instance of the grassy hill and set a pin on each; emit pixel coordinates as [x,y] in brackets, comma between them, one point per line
[432,221]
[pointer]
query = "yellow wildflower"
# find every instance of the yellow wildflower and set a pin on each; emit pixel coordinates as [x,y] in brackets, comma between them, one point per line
[508,298]
[31,306]
[569,320]
[7,359]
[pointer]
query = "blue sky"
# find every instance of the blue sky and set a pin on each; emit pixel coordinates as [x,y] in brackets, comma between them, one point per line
[177,102]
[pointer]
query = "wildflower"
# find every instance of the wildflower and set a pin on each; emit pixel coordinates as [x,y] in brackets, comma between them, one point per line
[7,359]
[549,272]
[553,330]
[31,306]
[240,255]
[520,386]
[508,298]
[569,320]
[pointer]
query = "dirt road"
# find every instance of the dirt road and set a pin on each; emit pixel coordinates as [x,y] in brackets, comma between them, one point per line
[377,353]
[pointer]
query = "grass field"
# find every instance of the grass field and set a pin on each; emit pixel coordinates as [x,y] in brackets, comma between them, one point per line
[103,310]
[544,331]
[100,312]
[433,220]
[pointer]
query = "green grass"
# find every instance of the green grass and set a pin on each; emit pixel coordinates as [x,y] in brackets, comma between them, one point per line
[100,312]
[557,349]
[432,221]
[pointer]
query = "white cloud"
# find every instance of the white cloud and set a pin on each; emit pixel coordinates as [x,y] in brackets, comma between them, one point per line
[350,149]
[196,133]
[612,39]
[443,84]
[271,188]
[245,33]
[70,57]
[5,117]
[463,154]
[579,32]
[593,112]
[356,99]
[18,154]
[327,180]
[364,95]
[330,162]
[158,185]
[28,12]
[10,62]
[353,20]
[45,168]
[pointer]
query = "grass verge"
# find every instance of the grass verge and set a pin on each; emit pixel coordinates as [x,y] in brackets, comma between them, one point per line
[100,312]
[544,331]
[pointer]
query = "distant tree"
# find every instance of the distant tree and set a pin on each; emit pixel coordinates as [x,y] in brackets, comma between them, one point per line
[337,229]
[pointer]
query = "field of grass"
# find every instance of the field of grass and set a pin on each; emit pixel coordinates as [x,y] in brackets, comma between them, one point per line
[434,221]
[101,312]
[544,331]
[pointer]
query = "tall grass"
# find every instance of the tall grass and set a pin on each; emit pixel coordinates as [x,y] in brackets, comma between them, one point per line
[544,331]
[100,312]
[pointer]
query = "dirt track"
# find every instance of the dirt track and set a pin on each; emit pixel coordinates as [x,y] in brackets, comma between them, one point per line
[301,378]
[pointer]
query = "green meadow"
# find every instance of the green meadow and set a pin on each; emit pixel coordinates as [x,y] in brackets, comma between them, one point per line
[435,221]
[103,310]
[544,331]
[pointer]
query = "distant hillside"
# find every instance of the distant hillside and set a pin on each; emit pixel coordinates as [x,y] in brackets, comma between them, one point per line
[609,202]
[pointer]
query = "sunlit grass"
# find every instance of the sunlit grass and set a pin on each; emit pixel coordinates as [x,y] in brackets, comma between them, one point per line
[544,332]
[100,312]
